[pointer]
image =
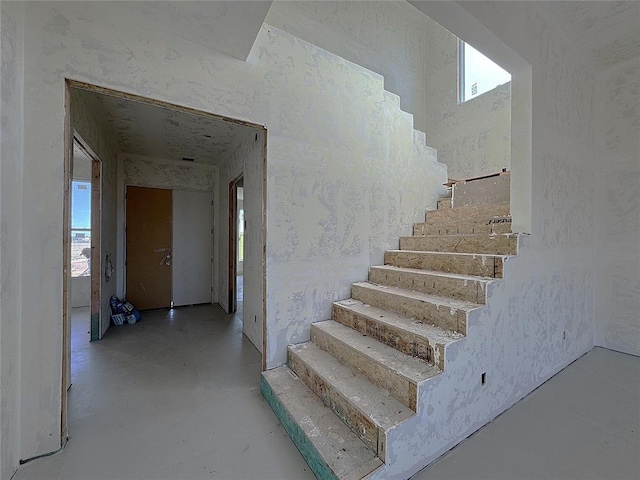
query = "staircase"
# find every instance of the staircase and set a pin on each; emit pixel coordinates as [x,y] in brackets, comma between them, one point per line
[342,394]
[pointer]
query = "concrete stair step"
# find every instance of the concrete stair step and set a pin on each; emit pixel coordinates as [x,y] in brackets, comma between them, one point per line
[384,366]
[481,212]
[442,312]
[331,448]
[481,265]
[408,335]
[494,244]
[460,287]
[479,226]
[444,203]
[367,409]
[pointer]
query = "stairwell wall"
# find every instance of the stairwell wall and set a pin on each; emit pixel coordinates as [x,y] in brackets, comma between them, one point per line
[473,138]
[540,318]
[617,223]
[386,37]
[419,61]
[342,163]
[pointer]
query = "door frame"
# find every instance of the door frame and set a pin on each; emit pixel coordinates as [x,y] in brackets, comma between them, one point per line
[96,240]
[66,211]
[233,242]
[70,139]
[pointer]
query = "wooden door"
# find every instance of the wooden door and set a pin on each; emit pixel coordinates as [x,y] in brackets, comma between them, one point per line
[148,247]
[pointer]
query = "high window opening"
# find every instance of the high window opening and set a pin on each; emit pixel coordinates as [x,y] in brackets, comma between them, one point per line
[477,73]
[81,228]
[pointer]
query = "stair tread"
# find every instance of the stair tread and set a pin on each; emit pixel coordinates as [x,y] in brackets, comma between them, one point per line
[465,235]
[466,254]
[455,221]
[501,207]
[411,368]
[435,273]
[342,450]
[424,297]
[373,401]
[416,327]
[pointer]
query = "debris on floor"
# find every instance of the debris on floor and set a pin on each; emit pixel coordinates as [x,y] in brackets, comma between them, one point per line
[123,311]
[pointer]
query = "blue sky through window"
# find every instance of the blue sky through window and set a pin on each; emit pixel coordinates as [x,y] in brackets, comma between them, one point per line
[481,74]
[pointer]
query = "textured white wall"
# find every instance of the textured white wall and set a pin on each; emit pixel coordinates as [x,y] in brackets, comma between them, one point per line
[96,132]
[248,160]
[144,171]
[386,37]
[519,340]
[11,191]
[80,292]
[474,137]
[418,60]
[617,223]
[344,173]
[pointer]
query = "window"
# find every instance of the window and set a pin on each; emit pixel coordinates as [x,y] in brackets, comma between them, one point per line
[477,73]
[80,228]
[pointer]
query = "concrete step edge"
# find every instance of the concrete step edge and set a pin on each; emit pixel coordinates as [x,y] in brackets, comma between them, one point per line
[329,447]
[335,372]
[436,273]
[464,254]
[444,302]
[415,327]
[414,370]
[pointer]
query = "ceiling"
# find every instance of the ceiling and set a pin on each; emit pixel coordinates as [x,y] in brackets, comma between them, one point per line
[152,131]
[605,33]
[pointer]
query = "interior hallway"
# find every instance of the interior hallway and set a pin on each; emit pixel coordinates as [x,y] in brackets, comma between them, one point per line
[176,396]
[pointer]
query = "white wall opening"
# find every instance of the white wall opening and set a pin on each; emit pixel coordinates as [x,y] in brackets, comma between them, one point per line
[477,73]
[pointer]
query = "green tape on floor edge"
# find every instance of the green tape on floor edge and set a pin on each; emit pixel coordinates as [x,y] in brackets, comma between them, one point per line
[309,452]
[95,327]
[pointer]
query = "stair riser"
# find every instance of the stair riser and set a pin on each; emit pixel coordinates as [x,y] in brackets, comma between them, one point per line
[462,264]
[488,227]
[400,387]
[397,338]
[493,245]
[443,317]
[452,215]
[460,289]
[444,203]
[368,431]
[311,455]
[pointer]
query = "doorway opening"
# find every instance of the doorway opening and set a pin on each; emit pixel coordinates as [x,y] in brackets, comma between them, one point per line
[149,145]
[86,187]
[237,225]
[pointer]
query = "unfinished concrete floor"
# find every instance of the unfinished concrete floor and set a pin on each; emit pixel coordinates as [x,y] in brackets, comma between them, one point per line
[176,396]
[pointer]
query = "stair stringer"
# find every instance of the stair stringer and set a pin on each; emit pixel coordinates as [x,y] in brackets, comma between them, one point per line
[454,404]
